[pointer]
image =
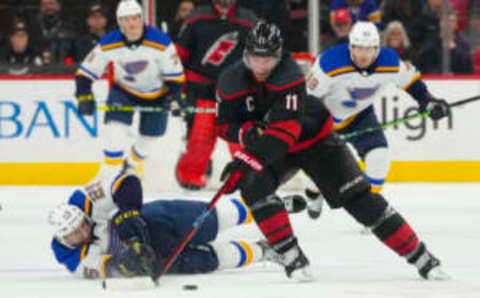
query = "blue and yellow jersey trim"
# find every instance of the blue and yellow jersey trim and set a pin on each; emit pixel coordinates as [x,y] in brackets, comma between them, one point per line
[178,77]
[156,38]
[246,253]
[112,46]
[112,40]
[336,61]
[375,16]
[103,266]
[154,45]
[82,201]
[340,71]
[83,71]
[415,78]
[154,94]
[339,124]
[113,158]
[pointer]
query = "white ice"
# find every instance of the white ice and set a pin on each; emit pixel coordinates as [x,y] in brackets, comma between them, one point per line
[347,264]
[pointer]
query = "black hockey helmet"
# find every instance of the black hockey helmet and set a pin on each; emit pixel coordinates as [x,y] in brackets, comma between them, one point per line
[264,39]
[224,3]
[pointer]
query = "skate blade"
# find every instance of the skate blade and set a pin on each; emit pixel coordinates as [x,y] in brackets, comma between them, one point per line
[303,275]
[437,274]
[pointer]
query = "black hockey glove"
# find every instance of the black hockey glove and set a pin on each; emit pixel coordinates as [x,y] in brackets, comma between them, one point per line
[132,259]
[243,164]
[131,227]
[251,132]
[86,104]
[438,108]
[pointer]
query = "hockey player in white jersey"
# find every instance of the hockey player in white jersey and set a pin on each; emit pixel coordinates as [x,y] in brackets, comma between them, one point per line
[111,233]
[349,78]
[146,70]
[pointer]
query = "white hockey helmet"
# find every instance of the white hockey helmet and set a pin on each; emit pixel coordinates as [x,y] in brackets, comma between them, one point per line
[128,8]
[64,220]
[364,34]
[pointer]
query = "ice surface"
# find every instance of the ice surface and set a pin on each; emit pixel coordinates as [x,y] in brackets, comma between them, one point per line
[347,264]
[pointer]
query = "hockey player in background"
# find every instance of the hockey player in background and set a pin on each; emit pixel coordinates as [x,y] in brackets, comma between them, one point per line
[263,105]
[146,70]
[350,77]
[209,40]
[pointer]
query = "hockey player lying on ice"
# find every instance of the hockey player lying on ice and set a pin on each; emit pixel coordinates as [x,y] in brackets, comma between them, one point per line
[103,235]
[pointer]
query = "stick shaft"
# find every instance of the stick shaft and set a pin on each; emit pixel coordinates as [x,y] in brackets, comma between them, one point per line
[405,119]
[196,225]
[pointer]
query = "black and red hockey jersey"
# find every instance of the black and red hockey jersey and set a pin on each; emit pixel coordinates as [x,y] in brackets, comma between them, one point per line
[292,120]
[208,42]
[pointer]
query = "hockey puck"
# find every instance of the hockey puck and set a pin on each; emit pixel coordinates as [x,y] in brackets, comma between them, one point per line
[190,287]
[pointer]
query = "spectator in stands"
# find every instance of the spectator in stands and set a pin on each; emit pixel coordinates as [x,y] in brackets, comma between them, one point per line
[360,10]
[96,22]
[184,10]
[396,37]
[52,32]
[342,22]
[273,11]
[460,55]
[423,29]
[18,55]
[473,26]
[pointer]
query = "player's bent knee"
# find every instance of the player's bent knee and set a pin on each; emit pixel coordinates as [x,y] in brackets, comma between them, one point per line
[256,187]
[367,208]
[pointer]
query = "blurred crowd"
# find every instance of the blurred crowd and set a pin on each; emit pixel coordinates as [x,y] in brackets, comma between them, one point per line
[438,36]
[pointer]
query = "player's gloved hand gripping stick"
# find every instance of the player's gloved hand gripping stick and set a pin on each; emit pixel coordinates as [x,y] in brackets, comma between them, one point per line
[143,282]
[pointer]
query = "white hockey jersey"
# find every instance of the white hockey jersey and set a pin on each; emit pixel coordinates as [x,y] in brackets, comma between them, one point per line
[89,260]
[141,69]
[346,90]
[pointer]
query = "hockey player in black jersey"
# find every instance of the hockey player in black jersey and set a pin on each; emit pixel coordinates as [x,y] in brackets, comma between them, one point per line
[209,40]
[262,104]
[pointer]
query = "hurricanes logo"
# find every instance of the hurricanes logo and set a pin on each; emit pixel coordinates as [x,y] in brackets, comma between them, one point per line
[220,50]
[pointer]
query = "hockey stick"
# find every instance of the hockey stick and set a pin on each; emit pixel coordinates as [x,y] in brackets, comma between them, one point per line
[145,282]
[227,186]
[189,110]
[354,134]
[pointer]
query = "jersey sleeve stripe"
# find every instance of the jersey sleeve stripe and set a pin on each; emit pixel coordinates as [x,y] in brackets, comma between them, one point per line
[84,251]
[173,74]
[103,265]
[415,78]
[87,73]
[341,124]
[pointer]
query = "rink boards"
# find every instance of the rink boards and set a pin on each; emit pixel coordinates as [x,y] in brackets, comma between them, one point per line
[44,141]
